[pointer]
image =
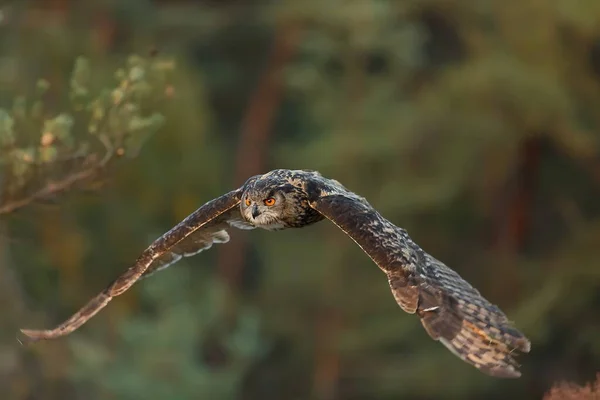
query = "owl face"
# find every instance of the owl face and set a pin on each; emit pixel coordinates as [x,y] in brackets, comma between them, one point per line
[268,209]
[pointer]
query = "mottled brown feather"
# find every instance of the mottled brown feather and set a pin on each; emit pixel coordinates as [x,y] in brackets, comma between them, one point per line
[450,309]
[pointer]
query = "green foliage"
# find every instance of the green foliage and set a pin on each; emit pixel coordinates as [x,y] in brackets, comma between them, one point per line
[120,118]
[161,355]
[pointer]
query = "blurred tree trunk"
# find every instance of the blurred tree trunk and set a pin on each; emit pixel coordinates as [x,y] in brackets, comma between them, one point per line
[513,218]
[327,358]
[253,146]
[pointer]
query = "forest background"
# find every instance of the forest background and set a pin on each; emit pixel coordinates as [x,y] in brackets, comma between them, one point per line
[472,124]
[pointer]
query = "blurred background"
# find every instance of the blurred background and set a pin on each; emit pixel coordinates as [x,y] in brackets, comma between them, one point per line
[472,124]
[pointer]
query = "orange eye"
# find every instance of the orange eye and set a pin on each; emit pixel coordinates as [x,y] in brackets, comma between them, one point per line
[270,202]
[247,201]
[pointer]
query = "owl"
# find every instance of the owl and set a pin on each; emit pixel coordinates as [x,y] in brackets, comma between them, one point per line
[451,310]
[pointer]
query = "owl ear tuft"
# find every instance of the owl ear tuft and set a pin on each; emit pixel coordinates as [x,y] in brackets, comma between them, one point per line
[250,181]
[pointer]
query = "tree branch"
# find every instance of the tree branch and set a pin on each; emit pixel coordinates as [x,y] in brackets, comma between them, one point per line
[51,188]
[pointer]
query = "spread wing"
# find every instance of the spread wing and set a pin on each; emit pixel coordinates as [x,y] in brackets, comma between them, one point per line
[200,240]
[450,309]
[195,233]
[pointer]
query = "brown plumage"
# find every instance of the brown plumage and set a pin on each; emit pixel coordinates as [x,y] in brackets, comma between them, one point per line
[450,309]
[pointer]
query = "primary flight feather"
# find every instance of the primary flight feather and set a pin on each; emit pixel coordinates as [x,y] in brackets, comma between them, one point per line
[450,309]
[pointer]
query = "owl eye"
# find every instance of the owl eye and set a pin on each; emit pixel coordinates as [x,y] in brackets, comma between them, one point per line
[270,201]
[247,201]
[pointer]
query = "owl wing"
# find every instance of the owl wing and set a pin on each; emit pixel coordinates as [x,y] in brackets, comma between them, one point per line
[195,233]
[214,232]
[450,309]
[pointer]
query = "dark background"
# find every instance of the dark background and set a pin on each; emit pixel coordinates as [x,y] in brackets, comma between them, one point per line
[472,124]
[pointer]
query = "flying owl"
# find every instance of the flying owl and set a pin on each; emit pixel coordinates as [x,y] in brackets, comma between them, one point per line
[450,309]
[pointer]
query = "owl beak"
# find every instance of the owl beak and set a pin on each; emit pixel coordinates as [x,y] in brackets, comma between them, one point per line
[255,212]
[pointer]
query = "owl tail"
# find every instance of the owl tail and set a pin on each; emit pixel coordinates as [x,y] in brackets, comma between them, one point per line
[481,335]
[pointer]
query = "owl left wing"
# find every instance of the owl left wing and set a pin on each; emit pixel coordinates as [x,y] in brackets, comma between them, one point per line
[382,241]
[195,233]
[450,309]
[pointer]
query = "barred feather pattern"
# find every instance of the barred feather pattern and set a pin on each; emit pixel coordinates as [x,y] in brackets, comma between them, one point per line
[450,309]
[486,337]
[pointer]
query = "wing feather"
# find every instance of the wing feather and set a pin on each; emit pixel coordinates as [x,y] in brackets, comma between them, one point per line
[200,240]
[188,247]
[450,309]
[195,233]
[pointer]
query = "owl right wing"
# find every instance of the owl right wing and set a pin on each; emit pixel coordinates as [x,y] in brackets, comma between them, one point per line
[214,232]
[195,233]
[450,309]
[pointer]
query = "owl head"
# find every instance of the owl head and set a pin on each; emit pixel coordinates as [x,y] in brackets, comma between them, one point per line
[273,204]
